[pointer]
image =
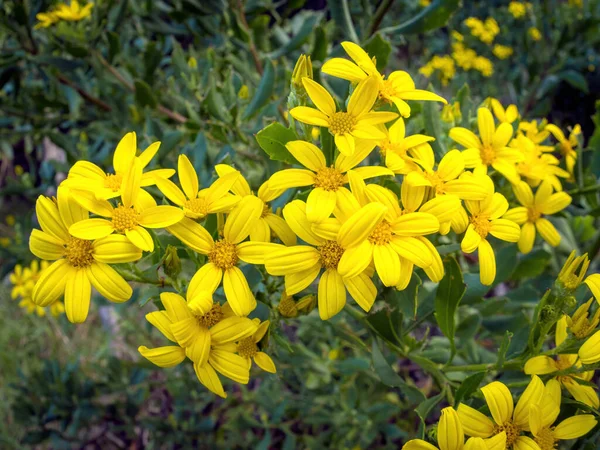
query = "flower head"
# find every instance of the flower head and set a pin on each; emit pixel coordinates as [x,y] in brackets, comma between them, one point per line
[508,115]
[24,280]
[567,146]
[396,147]
[74,12]
[248,349]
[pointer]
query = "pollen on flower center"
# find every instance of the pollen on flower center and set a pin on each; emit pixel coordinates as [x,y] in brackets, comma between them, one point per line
[78,252]
[512,432]
[533,215]
[331,253]
[382,234]
[387,90]
[329,178]
[488,155]
[545,439]
[266,211]
[341,123]
[394,147]
[197,206]
[247,347]
[125,218]
[436,182]
[113,181]
[212,317]
[223,254]
[481,224]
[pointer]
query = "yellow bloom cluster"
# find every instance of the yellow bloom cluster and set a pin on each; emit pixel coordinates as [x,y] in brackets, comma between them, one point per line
[502,51]
[486,30]
[534,34]
[23,280]
[518,9]
[444,64]
[73,12]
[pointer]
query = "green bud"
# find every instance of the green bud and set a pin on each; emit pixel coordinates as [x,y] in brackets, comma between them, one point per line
[171,262]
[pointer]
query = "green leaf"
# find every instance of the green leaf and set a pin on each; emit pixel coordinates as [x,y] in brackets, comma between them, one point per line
[263,92]
[449,293]
[575,79]
[425,408]
[503,349]
[327,145]
[468,386]
[532,264]
[380,48]
[387,323]
[433,126]
[433,16]
[308,25]
[214,102]
[340,13]
[319,50]
[144,95]
[114,45]
[463,97]
[272,140]
[407,300]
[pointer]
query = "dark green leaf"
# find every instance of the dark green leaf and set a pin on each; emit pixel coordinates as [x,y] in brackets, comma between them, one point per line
[532,264]
[433,16]
[449,293]
[263,92]
[575,79]
[433,126]
[340,13]
[300,37]
[319,50]
[424,408]
[468,386]
[503,349]
[407,300]
[463,97]
[144,95]
[272,140]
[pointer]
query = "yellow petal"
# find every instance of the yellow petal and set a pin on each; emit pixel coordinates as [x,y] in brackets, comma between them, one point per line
[387,264]
[232,329]
[499,400]
[207,278]
[502,135]
[345,143]
[443,207]
[91,229]
[193,235]
[435,271]
[90,203]
[109,283]
[147,155]
[589,352]
[362,149]
[256,252]
[331,294]
[125,152]
[168,356]
[45,246]
[418,444]
[187,330]
[175,306]
[281,229]
[320,204]
[160,216]
[450,432]
[288,260]
[130,187]
[265,362]
[412,249]
[310,116]
[362,289]
[497,442]
[485,122]
[364,96]
[525,443]
[487,263]
[360,57]
[160,319]
[361,224]
[476,443]
[415,224]
[555,203]
[379,194]
[574,427]
[199,349]
[88,171]
[471,240]
[309,155]
[342,68]
[209,378]
[70,211]
[187,177]
[319,96]
[115,248]
[230,365]
[531,395]
[49,218]
[51,284]
[242,218]
[495,206]
[297,282]
[464,137]
[451,165]
[355,260]
[527,238]
[518,215]
[547,231]
[540,365]
[474,423]
[583,394]
[505,230]
[238,292]
[78,292]
[295,215]
[593,284]
[140,238]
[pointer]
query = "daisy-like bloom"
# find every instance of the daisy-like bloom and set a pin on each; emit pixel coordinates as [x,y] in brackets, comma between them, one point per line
[571,280]
[328,182]
[537,133]
[531,214]
[492,149]
[357,122]
[131,217]
[506,417]
[268,223]
[46,19]
[396,147]
[23,281]
[589,352]
[450,436]
[508,115]
[56,309]
[517,9]
[396,89]
[248,349]
[302,264]
[580,323]
[486,219]
[502,52]
[545,365]
[73,12]
[567,146]
[206,333]
[87,176]
[78,264]
[543,415]
[537,166]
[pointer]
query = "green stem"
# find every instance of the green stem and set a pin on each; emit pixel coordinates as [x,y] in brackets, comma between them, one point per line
[378,16]
[514,364]
[585,190]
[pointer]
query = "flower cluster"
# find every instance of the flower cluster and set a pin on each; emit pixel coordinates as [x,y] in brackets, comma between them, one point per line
[73,12]
[23,279]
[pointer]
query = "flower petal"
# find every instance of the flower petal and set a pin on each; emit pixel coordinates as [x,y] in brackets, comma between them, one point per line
[415,224]
[297,282]
[109,283]
[361,224]
[532,395]
[387,264]
[92,229]
[51,284]
[485,122]
[319,96]
[362,290]
[547,231]
[242,218]
[193,235]
[160,216]
[574,427]
[288,260]
[238,292]
[295,216]
[505,229]
[355,260]
[115,248]
[207,278]
[265,362]
[412,249]
[540,365]
[450,432]
[49,218]
[140,238]
[307,154]
[310,116]
[487,263]
[188,178]
[364,96]
[498,399]
[475,423]
[125,152]
[320,204]
[45,246]
[78,293]
[230,365]
[465,137]
[331,294]
[168,356]
[209,379]
[342,68]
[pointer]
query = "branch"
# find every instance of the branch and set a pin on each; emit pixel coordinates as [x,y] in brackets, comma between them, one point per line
[86,95]
[378,17]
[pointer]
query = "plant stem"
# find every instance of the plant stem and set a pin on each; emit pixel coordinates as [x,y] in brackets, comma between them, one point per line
[514,364]
[585,190]
[378,16]
[86,95]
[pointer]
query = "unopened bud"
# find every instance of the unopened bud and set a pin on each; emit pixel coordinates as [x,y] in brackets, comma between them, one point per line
[171,262]
[303,68]
[307,303]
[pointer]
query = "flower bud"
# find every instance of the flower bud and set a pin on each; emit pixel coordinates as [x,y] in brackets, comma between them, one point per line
[171,262]
[303,68]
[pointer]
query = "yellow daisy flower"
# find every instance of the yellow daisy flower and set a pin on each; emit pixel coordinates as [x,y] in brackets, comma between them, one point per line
[396,147]
[131,217]
[79,263]
[397,88]
[73,12]
[508,115]
[205,334]
[492,149]
[543,415]
[589,352]
[566,145]
[507,418]
[46,19]
[268,223]
[87,176]
[247,348]
[18,278]
[358,121]
[531,214]
[302,264]
[486,219]
[537,166]
[536,133]
[580,323]
[328,182]
[23,281]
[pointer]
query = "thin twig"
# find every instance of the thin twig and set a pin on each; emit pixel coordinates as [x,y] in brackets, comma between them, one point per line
[378,16]
[86,95]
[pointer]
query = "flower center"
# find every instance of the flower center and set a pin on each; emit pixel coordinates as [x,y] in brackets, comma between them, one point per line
[533,215]
[198,206]
[512,432]
[247,347]
[545,439]
[287,307]
[565,148]
[382,234]
[341,123]
[394,147]
[78,252]
[482,225]
[113,181]
[331,253]
[212,317]
[125,218]
[488,154]
[436,182]
[329,178]
[223,254]
[266,211]
[387,90]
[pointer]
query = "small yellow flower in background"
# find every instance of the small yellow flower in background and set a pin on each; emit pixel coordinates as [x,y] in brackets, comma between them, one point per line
[508,115]
[23,281]
[485,31]
[567,145]
[396,89]
[46,19]
[243,93]
[543,414]
[358,122]
[206,333]
[193,63]
[78,263]
[502,51]
[518,9]
[545,365]
[73,12]
[589,352]
[464,57]
[486,219]
[534,34]
[452,113]
[444,64]
[580,323]
[327,182]
[302,69]
[395,148]
[571,280]
[507,418]
[247,348]
[492,149]
[578,3]
[484,65]
[531,214]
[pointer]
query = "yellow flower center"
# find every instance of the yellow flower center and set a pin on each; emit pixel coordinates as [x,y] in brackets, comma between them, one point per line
[125,218]
[287,307]
[247,347]
[571,281]
[113,181]
[197,205]
[382,234]
[331,253]
[565,148]
[533,214]
[387,90]
[545,439]
[482,224]
[394,147]
[223,254]
[266,211]
[78,252]
[212,317]
[341,123]
[436,182]
[329,178]
[512,432]
[562,363]
[488,155]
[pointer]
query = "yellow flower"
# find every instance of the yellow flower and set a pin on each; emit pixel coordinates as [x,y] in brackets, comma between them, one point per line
[87,176]
[508,115]
[484,65]
[570,279]
[531,214]
[450,436]
[534,34]
[302,69]
[444,64]
[566,145]
[537,166]
[507,418]
[451,113]
[328,182]
[589,352]
[580,323]
[268,223]
[131,217]
[302,264]
[396,146]
[543,415]
[357,122]
[502,51]
[396,89]
[544,365]
[46,19]
[536,133]
[206,333]
[79,263]
[248,349]
[491,149]
[73,12]
[23,281]
[287,305]
[485,31]
[485,219]
[517,9]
